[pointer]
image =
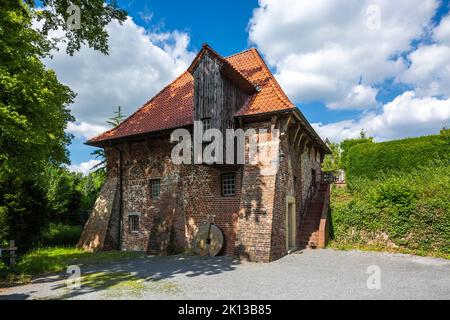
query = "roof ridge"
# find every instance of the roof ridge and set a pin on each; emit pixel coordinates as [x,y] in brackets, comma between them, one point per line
[275,85]
[141,107]
[238,53]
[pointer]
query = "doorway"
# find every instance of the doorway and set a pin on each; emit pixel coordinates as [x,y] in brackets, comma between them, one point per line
[290,224]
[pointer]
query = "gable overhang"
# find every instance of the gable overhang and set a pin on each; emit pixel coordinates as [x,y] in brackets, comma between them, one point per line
[226,69]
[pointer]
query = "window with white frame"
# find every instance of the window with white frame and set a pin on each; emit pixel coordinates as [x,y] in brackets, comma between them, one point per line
[228,184]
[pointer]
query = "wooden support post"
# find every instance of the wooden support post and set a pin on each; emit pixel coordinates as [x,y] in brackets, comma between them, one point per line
[12,254]
[296,134]
[300,140]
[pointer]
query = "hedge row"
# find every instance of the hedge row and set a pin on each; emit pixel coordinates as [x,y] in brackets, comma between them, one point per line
[369,160]
[408,210]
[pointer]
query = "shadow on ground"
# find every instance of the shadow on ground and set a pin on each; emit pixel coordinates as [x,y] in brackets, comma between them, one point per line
[136,274]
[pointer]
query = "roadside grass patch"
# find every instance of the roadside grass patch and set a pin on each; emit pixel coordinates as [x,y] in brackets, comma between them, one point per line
[56,259]
[121,284]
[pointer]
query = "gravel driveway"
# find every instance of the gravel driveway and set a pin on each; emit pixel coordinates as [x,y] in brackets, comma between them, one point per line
[311,274]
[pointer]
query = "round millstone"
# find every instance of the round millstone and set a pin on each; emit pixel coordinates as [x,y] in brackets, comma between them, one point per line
[208,241]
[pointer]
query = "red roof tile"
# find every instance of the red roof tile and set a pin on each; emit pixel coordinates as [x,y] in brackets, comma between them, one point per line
[172,107]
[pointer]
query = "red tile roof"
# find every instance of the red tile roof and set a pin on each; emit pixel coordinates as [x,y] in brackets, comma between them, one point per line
[172,107]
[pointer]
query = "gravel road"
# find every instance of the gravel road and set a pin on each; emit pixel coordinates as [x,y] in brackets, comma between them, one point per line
[311,274]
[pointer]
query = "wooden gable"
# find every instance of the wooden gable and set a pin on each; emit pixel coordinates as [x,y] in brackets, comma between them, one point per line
[219,90]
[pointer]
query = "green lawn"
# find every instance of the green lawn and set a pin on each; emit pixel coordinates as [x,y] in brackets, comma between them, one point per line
[56,259]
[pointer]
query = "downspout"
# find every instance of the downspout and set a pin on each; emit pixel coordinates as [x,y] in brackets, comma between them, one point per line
[120,169]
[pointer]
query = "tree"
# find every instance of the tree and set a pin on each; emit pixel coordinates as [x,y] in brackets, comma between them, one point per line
[117,118]
[332,162]
[445,134]
[95,15]
[100,153]
[34,104]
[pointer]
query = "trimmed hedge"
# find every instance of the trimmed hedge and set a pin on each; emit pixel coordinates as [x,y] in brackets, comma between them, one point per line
[408,210]
[369,160]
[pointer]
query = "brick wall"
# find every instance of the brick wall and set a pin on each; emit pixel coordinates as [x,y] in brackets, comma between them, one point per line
[253,221]
[202,196]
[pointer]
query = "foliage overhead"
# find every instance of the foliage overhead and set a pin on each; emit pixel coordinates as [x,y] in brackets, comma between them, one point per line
[95,15]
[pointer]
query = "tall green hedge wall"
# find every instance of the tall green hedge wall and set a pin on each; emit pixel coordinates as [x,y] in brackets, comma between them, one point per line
[368,160]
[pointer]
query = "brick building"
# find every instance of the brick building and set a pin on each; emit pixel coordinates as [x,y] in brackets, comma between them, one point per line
[149,203]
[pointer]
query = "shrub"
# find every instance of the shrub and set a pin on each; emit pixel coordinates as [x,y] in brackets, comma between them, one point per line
[370,160]
[61,235]
[410,210]
[3,269]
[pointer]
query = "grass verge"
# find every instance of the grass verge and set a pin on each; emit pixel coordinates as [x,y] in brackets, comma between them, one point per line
[375,248]
[56,259]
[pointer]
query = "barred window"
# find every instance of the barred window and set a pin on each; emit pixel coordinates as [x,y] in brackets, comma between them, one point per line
[206,124]
[155,188]
[228,184]
[133,222]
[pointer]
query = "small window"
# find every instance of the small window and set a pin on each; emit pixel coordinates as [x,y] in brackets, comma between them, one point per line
[228,184]
[206,124]
[155,188]
[133,222]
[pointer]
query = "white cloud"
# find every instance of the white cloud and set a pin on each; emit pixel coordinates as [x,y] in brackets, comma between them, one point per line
[84,129]
[139,64]
[359,97]
[429,71]
[442,32]
[84,167]
[429,65]
[405,116]
[321,49]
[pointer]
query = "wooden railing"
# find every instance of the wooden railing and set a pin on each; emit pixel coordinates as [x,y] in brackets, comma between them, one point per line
[323,177]
[309,196]
[327,177]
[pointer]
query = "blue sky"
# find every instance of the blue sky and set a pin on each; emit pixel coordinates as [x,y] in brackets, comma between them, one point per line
[381,66]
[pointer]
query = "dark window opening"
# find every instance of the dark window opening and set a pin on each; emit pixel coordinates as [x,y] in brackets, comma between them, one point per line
[155,188]
[133,222]
[228,184]
[206,124]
